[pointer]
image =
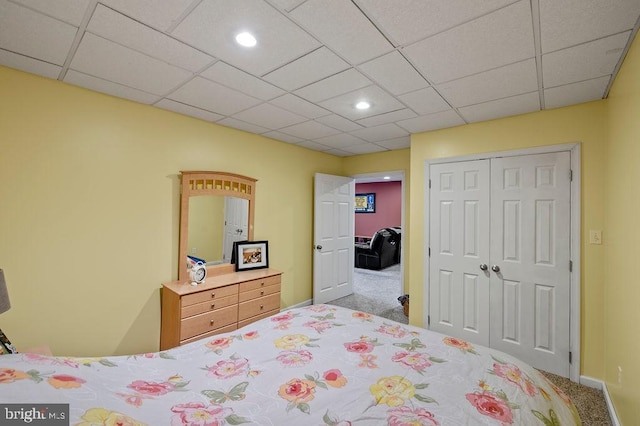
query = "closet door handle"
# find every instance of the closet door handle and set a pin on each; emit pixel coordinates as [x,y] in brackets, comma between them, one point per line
[483,266]
[495,268]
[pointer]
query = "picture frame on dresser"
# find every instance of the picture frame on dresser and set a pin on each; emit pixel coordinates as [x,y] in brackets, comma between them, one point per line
[251,255]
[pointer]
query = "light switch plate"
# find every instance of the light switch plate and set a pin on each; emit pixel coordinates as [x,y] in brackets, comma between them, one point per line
[595,237]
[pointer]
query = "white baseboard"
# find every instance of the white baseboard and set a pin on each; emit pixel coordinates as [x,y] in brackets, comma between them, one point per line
[301,304]
[599,384]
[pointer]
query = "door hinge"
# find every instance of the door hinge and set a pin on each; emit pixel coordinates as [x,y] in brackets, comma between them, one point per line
[428,320]
[429,183]
[429,251]
[570,357]
[570,175]
[571,266]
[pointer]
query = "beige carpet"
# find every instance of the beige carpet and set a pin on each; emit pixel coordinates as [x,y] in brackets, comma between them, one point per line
[589,401]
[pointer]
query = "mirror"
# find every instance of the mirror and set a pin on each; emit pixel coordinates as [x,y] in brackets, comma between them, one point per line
[215,222]
[216,209]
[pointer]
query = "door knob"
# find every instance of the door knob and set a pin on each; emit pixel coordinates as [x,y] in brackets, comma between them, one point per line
[483,266]
[318,247]
[495,268]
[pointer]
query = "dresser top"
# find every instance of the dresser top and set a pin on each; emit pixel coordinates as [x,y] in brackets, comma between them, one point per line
[181,287]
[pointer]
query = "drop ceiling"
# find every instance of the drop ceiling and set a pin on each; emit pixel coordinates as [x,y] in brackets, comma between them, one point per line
[421,64]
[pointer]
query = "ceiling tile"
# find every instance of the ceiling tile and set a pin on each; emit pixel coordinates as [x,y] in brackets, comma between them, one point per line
[380,133]
[270,116]
[583,62]
[407,21]
[310,68]
[32,34]
[425,101]
[234,78]
[576,93]
[28,64]
[500,38]
[394,73]
[188,110]
[210,96]
[520,104]
[287,4]
[238,124]
[380,101]
[389,117]
[111,88]
[213,25]
[335,85]
[298,105]
[69,11]
[365,148]
[118,28]
[439,120]
[338,122]
[340,141]
[342,27]
[282,137]
[397,143]
[569,22]
[313,145]
[110,61]
[160,14]
[310,130]
[498,83]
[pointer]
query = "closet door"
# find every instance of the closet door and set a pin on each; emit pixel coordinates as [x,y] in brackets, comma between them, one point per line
[459,229]
[530,253]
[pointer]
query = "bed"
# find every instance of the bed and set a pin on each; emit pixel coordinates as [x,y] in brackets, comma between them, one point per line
[315,365]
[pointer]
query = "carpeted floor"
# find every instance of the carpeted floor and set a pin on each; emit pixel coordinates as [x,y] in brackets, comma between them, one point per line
[377,292]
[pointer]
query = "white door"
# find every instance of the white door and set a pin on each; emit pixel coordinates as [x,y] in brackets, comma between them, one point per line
[236,218]
[334,248]
[523,236]
[459,276]
[530,229]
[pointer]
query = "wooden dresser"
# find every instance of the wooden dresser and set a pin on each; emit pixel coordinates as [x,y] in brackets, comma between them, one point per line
[222,303]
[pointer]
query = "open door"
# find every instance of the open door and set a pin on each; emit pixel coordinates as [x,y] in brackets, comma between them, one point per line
[334,248]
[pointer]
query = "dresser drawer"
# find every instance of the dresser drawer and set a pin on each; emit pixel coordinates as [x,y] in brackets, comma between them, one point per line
[259,283]
[206,295]
[207,322]
[209,305]
[259,292]
[258,306]
[257,317]
[226,329]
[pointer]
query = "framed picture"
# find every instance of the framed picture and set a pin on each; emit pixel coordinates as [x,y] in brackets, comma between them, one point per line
[252,255]
[365,203]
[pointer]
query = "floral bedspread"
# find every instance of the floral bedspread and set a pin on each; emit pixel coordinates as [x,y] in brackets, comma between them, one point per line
[316,365]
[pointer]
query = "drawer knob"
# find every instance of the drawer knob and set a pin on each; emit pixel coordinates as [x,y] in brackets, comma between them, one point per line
[213,295]
[262,293]
[262,283]
[213,305]
[261,306]
[211,322]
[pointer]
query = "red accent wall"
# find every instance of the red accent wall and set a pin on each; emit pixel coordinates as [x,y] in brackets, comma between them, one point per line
[388,207]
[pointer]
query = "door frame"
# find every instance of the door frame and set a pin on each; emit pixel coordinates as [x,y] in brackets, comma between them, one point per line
[575,238]
[379,177]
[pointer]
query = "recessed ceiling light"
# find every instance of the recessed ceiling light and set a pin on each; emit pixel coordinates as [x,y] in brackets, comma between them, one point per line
[387,178]
[246,39]
[363,105]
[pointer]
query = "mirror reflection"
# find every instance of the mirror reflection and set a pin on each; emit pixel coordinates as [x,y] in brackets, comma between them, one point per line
[215,222]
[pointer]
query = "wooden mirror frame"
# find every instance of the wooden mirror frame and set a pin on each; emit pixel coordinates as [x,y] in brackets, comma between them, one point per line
[195,183]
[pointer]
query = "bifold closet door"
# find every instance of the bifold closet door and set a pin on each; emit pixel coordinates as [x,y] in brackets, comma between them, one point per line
[459,244]
[530,235]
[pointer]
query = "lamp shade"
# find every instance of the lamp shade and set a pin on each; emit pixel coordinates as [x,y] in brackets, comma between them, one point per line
[5,304]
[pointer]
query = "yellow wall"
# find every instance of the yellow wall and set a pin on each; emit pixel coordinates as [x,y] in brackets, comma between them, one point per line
[583,123]
[90,206]
[621,239]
